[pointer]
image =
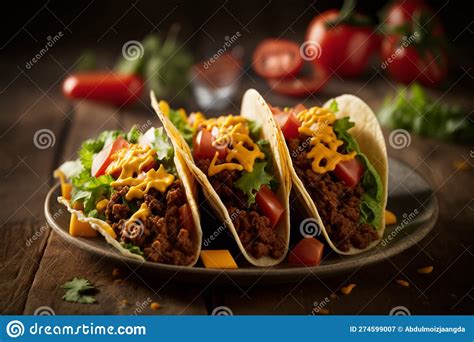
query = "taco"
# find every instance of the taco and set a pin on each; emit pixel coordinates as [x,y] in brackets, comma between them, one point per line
[240,173]
[135,191]
[338,162]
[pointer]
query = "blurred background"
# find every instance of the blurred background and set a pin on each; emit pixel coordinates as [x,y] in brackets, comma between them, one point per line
[98,30]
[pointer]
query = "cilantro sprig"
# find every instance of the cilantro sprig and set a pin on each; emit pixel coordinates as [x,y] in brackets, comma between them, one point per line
[78,290]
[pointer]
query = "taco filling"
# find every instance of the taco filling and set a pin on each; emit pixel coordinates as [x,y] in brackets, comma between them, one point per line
[238,164]
[130,182]
[341,181]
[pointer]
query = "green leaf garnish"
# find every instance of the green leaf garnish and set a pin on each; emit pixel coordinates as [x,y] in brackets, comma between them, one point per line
[412,109]
[251,182]
[78,290]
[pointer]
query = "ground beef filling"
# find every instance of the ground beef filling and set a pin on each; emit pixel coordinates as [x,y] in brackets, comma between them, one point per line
[338,204]
[255,232]
[161,236]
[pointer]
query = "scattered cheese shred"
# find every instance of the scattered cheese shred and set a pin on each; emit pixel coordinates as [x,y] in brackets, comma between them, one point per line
[402,282]
[390,217]
[346,290]
[425,270]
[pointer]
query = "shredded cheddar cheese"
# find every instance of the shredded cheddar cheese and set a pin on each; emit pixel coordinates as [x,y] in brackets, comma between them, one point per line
[233,132]
[159,180]
[317,123]
[139,216]
[131,161]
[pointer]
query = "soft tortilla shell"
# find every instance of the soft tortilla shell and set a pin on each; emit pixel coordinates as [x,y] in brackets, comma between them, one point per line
[253,107]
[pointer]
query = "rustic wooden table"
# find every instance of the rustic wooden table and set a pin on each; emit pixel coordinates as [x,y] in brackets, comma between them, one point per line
[35,261]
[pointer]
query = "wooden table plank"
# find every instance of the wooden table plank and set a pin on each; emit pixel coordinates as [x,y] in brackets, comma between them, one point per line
[25,173]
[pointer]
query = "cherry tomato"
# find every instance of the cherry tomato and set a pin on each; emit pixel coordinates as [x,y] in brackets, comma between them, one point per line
[308,252]
[103,159]
[409,53]
[344,49]
[203,147]
[186,217]
[270,205]
[400,14]
[301,86]
[111,88]
[277,58]
[406,64]
[349,172]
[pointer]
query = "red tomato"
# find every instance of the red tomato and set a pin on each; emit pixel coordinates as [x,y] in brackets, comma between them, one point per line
[308,252]
[270,205]
[186,217]
[277,58]
[288,123]
[203,148]
[301,86]
[103,159]
[406,64]
[349,172]
[343,49]
[116,89]
[403,13]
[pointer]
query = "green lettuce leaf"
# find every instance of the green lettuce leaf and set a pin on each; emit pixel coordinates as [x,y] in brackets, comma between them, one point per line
[333,107]
[88,190]
[182,125]
[370,208]
[93,146]
[132,248]
[251,182]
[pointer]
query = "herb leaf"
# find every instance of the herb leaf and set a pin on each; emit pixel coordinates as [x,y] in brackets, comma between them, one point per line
[89,190]
[78,291]
[251,182]
[132,248]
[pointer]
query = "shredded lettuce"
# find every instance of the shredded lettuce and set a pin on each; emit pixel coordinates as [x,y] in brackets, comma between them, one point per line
[132,248]
[254,129]
[251,182]
[412,109]
[182,125]
[370,208]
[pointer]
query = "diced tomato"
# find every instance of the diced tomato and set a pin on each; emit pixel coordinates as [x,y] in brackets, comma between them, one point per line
[186,217]
[349,172]
[308,252]
[270,205]
[203,147]
[103,159]
[106,87]
[289,124]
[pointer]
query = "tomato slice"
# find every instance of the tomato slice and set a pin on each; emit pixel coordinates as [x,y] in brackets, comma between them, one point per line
[270,205]
[277,58]
[349,172]
[103,159]
[186,217]
[111,88]
[301,86]
[308,252]
[289,124]
[203,147]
